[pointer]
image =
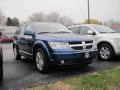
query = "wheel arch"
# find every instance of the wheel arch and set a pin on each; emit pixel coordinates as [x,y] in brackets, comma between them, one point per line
[42,46]
[106,42]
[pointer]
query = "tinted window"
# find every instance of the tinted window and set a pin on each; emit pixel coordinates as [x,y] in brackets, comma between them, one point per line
[84,30]
[75,30]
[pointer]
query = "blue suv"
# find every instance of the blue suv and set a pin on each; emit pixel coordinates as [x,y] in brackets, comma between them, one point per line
[52,44]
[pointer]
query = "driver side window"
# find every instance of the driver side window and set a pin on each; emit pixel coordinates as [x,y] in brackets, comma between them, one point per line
[28,30]
[84,30]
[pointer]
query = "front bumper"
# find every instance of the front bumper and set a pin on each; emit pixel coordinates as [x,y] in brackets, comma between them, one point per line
[74,57]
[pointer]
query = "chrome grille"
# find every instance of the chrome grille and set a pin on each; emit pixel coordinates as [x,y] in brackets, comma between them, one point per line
[81,45]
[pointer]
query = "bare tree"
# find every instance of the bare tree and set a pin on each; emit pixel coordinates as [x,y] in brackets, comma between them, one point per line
[52,17]
[37,17]
[66,21]
[112,23]
[2,18]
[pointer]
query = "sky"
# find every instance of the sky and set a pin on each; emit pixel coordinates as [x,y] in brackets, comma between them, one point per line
[102,10]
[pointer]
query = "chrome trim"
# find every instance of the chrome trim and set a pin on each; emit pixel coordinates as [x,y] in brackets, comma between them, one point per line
[84,45]
[25,52]
[75,45]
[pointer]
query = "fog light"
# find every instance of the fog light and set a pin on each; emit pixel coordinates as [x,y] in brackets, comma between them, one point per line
[62,62]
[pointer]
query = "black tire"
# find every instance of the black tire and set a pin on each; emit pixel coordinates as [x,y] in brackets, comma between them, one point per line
[111,53]
[44,67]
[1,65]
[17,56]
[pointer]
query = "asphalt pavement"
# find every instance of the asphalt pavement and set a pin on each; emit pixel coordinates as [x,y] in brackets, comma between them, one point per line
[23,73]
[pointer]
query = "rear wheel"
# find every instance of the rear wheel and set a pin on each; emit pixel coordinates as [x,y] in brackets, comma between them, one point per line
[106,52]
[41,62]
[17,56]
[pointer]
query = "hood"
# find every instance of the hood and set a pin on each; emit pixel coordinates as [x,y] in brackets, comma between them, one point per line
[110,35]
[66,37]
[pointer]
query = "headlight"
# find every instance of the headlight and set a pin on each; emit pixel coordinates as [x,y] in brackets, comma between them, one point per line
[94,45]
[58,45]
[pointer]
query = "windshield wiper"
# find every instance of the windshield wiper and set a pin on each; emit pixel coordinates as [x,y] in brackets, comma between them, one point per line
[43,32]
[103,32]
[107,32]
[62,32]
[53,32]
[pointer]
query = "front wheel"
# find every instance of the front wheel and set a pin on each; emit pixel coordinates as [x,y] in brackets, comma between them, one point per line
[17,56]
[41,62]
[106,52]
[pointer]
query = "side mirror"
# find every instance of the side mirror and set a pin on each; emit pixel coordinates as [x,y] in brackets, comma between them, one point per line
[91,32]
[28,33]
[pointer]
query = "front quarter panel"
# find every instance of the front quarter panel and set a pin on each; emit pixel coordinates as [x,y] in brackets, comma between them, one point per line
[108,40]
[44,46]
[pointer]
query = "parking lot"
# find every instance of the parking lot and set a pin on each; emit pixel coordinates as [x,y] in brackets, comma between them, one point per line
[22,74]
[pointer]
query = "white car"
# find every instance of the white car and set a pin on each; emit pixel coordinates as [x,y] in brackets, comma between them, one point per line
[107,40]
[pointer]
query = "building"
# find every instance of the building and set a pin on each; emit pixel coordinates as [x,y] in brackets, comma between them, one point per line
[8,30]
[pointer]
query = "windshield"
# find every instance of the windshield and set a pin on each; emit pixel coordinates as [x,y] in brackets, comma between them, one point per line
[116,29]
[51,28]
[103,29]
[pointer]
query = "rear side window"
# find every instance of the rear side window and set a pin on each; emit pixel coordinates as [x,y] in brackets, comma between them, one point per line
[75,30]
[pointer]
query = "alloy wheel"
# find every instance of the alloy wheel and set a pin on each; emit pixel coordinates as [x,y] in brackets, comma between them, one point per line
[105,53]
[40,61]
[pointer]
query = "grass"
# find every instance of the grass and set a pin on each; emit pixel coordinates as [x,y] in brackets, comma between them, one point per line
[106,80]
